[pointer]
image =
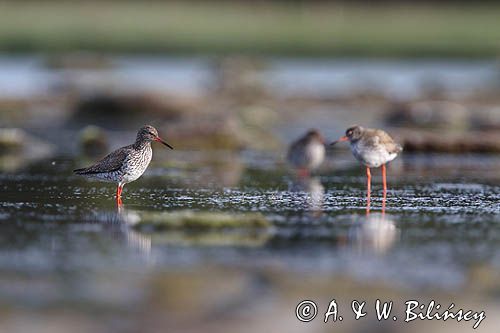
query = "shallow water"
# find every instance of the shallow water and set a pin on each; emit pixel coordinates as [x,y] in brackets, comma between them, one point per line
[65,245]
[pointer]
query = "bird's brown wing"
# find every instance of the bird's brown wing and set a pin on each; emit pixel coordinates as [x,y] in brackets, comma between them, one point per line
[389,143]
[111,162]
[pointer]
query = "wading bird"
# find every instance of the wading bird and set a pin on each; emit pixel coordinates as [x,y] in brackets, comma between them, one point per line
[125,164]
[373,148]
[307,153]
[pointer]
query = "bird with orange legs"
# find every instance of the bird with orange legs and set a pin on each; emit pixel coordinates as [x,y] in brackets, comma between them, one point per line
[125,164]
[373,148]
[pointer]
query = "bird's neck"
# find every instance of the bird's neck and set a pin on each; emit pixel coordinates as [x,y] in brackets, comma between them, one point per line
[141,144]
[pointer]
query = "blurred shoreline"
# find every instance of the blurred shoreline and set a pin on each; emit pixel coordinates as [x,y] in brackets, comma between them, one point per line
[236,103]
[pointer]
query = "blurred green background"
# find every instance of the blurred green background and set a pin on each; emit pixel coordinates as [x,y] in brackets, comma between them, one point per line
[314,28]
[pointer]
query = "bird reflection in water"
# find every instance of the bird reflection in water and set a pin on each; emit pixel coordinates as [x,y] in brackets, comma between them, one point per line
[135,239]
[315,193]
[376,233]
[119,225]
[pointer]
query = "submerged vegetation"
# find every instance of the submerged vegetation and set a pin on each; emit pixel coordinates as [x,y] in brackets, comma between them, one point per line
[187,219]
[450,30]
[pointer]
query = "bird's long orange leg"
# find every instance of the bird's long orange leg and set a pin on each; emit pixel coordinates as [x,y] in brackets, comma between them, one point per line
[368,189]
[384,180]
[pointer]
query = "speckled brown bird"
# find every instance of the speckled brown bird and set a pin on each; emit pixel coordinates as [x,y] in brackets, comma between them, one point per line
[125,164]
[373,148]
[307,153]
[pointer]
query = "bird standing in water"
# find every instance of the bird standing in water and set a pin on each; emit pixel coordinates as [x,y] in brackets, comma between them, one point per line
[373,148]
[125,164]
[307,153]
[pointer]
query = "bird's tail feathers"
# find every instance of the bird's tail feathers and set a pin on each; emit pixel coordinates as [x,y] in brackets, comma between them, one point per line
[81,171]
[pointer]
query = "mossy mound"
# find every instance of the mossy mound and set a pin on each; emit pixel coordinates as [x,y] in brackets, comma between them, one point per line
[187,219]
[429,114]
[442,142]
[208,133]
[125,111]
[93,141]
[11,140]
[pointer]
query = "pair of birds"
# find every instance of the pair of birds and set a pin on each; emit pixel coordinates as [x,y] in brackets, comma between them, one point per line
[372,147]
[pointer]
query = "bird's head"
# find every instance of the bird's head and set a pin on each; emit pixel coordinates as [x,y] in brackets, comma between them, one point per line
[314,134]
[352,134]
[148,133]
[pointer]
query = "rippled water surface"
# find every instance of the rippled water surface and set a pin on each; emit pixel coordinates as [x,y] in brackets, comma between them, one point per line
[65,247]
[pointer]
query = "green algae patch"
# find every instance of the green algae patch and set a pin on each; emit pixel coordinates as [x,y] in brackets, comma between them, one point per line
[241,237]
[187,219]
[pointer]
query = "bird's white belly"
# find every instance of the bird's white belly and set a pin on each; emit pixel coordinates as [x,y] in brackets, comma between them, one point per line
[372,157]
[132,175]
[316,154]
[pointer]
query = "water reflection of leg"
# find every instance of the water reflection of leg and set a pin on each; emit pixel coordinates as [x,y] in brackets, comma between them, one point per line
[384,179]
[316,196]
[135,240]
[368,189]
